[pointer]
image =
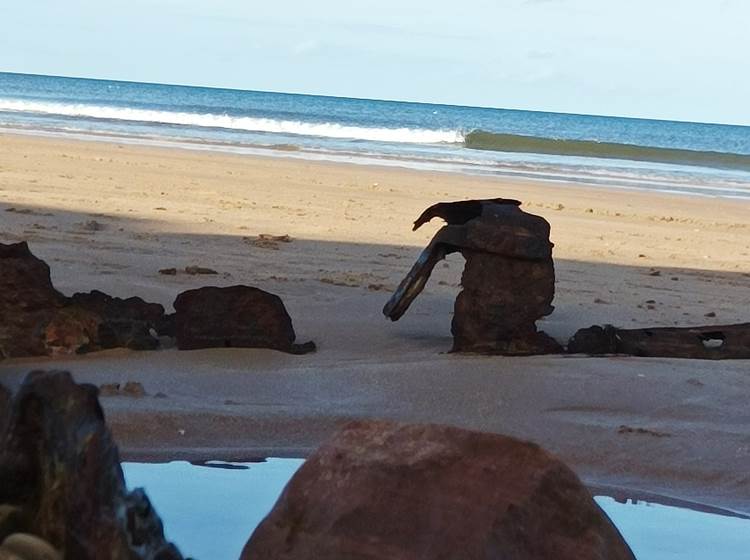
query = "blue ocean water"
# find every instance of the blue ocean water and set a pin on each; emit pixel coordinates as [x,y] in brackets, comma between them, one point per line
[688,158]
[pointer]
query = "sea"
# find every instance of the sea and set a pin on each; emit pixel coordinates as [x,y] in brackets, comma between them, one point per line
[699,159]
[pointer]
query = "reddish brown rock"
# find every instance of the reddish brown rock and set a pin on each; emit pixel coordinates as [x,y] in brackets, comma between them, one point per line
[39,321]
[60,466]
[118,309]
[71,330]
[380,490]
[28,301]
[124,323]
[234,317]
[508,281]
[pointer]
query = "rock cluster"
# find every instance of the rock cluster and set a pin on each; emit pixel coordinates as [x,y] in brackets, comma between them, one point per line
[40,321]
[381,490]
[61,486]
[508,281]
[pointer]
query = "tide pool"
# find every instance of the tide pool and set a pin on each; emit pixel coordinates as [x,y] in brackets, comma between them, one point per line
[209,511]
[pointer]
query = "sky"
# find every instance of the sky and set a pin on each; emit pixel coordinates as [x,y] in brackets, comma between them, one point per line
[669,59]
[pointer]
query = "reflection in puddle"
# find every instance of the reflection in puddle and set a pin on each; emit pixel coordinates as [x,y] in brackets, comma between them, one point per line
[658,532]
[210,509]
[209,512]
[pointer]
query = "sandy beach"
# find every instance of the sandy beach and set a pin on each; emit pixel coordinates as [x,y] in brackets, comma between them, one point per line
[110,216]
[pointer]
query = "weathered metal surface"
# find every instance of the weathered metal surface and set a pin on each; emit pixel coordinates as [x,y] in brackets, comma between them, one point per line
[508,282]
[714,342]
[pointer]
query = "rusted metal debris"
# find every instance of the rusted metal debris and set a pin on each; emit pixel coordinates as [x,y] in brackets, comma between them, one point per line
[715,342]
[508,281]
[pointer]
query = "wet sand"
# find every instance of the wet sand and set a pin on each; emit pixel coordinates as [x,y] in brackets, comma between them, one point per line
[107,216]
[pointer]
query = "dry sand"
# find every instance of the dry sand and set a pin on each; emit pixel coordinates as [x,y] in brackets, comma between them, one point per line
[108,216]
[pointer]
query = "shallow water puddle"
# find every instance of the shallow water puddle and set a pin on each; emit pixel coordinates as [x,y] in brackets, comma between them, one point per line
[659,532]
[210,510]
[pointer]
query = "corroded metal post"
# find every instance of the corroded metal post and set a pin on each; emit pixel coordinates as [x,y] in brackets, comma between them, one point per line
[508,281]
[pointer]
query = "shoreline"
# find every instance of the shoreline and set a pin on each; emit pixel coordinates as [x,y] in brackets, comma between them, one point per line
[546,172]
[351,244]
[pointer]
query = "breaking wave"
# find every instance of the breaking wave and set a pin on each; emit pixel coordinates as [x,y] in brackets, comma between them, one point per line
[475,140]
[482,140]
[248,124]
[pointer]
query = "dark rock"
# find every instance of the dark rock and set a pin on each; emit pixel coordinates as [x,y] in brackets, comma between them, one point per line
[508,281]
[193,270]
[27,278]
[380,490]
[167,326]
[59,464]
[168,271]
[39,321]
[28,301]
[594,340]
[118,309]
[715,342]
[641,431]
[237,317]
[124,323]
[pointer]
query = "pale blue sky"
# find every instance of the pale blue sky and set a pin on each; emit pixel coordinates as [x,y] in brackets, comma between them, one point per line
[674,59]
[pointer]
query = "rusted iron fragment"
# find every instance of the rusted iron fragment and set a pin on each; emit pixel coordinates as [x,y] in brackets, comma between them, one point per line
[508,282]
[722,342]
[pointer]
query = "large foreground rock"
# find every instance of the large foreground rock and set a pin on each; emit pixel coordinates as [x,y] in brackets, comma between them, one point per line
[60,471]
[234,317]
[389,491]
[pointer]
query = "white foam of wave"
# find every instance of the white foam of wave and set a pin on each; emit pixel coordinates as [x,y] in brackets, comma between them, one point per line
[250,124]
